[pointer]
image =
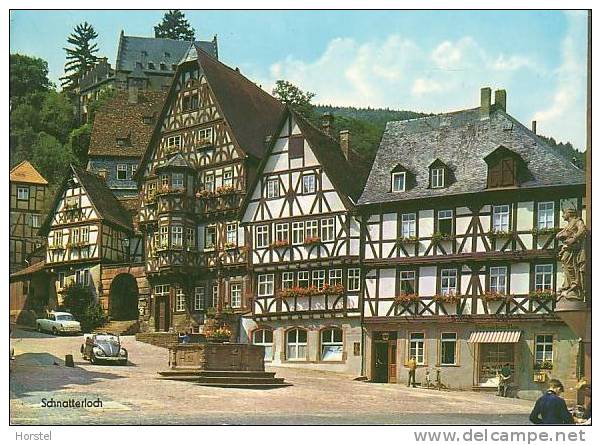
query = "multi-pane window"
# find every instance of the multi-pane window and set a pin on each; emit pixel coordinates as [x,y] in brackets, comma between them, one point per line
[407,225]
[262,236]
[354,279]
[227,178]
[309,182]
[498,279]
[194,102]
[273,188]
[180,299]
[134,168]
[546,215]
[335,277]
[296,344]
[214,295]
[205,136]
[303,278]
[298,232]
[287,280]
[543,276]
[209,182]
[416,347]
[82,277]
[35,221]
[543,348]
[437,177]
[407,282]
[398,182]
[174,142]
[190,238]
[164,181]
[318,278]
[210,237]
[264,337]
[311,229]
[85,235]
[500,218]
[199,298]
[61,280]
[177,181]
[331,344]
[75,235]
[231,233]
[235,295]
[281,232]
[327,229]
[448,348]
[265,287]
[161,290]
[164,231]
[23,193]
[445,222]
[121,172]
[177,234]
[448,281]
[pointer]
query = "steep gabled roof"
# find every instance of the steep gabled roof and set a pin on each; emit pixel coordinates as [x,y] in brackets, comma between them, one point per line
[107,206]
[463,141]
[251,112]
[25,172]
[176,161]
[119,118]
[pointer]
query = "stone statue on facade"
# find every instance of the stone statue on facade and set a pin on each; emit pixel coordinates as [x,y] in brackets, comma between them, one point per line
[572,255]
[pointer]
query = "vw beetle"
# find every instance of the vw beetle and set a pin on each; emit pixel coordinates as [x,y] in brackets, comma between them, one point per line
[103,348]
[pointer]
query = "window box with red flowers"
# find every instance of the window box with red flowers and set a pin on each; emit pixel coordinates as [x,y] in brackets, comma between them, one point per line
[496,234]
[406,298]
[494,300]
[332,289]
[225,190]
[312,241]
[546,294]
[293,292]
[205,194]
[438,237]
[448,301]
[545,231]
[279,243]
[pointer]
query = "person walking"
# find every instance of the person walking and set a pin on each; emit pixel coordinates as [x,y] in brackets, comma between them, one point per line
[551,409]
[412,365]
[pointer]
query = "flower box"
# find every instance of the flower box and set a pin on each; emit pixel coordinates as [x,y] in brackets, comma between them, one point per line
[56,247]
[542,294]
[545,364]
[438,237]
[230,246]
[205,194]
[225,190]
[447,299]
[279,243]
[545,231]
[312,240]
[298,292]
[407,298]
[494,296]
[499,234]
[409,240]
[334,289]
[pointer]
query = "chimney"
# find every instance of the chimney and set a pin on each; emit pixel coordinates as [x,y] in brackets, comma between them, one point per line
[534,127]
[484,103]
[132,96]
[345,142]
[501,100]
[326,123]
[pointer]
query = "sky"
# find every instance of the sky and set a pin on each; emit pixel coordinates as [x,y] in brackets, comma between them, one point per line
[429,61]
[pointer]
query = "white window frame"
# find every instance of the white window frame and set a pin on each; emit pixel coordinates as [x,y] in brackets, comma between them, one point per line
[331,345]
[199,298]
[293,348]
[82,277]
[287,280]
[205,135]
[335,277]
[298,232]
[268,345]
[231,233]
[546,215]
[208,229]
[190,237]
[174,142]
[180,300]
[447,277]
[417,345]
[309,183]
[541,273]
[215,295]
[177,180]
[265,284]
[318,278]
[394,185]
[547,348]
[498,279]
[328,229]
[408,224]
[302,278]
[209,182]
[272,188]
[437,178]
[227,179]
[500,218]
[262,236]
[444,215]
[353,279]
[407,276]
[281,232]
[122,168]
[35,221]
[22,193]
[311,229]
[177,236]
[444,340]
[235,295]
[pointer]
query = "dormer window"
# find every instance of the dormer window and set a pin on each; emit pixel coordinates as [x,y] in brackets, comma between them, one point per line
[121,142]
[437,177]
[506,168]
[147,120]
[150,66]
[398,181]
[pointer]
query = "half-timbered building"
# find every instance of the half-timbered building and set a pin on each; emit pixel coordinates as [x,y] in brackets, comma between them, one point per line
[304,244]
[459,254]
[90,235]
[28,193]
[205,149]
[120,134]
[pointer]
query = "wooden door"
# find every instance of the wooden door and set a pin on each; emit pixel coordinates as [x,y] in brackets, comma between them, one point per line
[380,362]
[163,314]
[392,361]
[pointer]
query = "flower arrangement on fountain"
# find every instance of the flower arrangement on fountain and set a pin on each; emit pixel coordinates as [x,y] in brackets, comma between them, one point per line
[449,298]
[312,240]
[279,243]
[406,297]
[494,296]
[542,294]
[215,330]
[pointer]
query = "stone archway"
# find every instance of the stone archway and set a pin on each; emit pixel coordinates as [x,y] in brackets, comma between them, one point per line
[123,298]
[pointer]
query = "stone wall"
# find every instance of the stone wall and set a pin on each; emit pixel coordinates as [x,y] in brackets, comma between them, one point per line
[112,271]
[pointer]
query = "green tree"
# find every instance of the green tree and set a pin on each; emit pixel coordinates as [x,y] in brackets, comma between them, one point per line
[81,56]
[27,76]
[295,97]
[51,157]
[174,26]
[79,301]
[56,116]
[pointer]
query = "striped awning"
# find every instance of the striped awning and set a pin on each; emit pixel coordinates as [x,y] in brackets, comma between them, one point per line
[494,337]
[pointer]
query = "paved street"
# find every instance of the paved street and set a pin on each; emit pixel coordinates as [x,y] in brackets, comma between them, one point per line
[133,395]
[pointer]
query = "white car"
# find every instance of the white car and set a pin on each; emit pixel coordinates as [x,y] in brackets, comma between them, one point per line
[58,323]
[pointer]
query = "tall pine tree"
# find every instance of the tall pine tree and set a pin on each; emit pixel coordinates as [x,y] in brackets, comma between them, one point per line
[174,26]
[81,56]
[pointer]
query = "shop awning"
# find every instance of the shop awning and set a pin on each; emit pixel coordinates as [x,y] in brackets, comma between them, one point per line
[494,337]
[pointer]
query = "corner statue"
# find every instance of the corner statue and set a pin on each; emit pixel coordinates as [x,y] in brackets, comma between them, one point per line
[573,256]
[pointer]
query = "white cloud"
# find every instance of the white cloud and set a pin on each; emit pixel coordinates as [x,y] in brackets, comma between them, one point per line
[425,86]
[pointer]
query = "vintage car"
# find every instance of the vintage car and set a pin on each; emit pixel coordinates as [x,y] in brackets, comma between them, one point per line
[58,323]
[103,348]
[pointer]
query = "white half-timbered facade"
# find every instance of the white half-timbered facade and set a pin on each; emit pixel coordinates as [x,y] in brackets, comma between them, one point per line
[305,250]
[459,252]
[207,145]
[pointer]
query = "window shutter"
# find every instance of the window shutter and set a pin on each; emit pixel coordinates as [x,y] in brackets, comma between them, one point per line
[296,146]
[494,175]
[508,171]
